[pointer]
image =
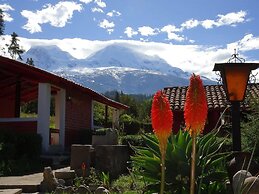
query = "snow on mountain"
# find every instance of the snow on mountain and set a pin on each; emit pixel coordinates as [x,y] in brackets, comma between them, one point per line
[50,57]
[115,67]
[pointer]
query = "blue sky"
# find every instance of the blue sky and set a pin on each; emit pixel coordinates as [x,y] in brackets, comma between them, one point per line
[200,29]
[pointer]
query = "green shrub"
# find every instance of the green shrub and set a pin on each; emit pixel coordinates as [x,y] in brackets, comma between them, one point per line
[132,140]
[210,172]
[19,153]
[147,127]
[250,131]
[132,127]
[128,184]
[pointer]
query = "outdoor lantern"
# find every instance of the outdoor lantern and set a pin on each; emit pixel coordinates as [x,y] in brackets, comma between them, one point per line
[235,76]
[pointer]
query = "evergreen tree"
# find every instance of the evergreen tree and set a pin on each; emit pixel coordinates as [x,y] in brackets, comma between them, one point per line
[2,25]
[30,62]
[14,48]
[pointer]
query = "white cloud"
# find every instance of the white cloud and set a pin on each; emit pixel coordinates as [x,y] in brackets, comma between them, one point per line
[192,23]
[100,3]
[230,19]
[207,24]
[97,9]
[57,15]
[130,32]
[247,43]
[170,28]
[171,35]
[199,59]
[109,26]
[86,1]
[148,31]
[6,16]
[113,13]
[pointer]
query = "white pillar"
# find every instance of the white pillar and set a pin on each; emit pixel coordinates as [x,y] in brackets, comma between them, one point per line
[60,110]
[44,94]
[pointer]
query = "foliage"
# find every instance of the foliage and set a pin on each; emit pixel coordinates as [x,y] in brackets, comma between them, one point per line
[32,107]
[210,172]
[29,61]
[140,105]
[19,153]
[93,178]
[14,48]
[99,115]
[105,179]
[132,140]
[130,184]
[2,25]
[250,130]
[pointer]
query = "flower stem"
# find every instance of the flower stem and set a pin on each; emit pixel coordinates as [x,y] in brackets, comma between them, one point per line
[162,187]
[193,162]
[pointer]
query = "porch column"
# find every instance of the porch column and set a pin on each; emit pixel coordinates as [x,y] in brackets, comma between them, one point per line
[115,119]
[44,94]
[60,109]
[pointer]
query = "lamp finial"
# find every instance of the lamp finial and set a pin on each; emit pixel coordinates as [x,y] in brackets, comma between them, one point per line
[235,59]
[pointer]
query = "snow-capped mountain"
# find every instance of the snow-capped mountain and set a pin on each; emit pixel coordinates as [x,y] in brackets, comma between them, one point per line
[115,67]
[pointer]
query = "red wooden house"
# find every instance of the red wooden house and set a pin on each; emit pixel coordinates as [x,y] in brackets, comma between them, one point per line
[20,83]
[216,99]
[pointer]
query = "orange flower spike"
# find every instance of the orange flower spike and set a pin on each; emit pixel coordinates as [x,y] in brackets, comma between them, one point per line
[162,118]
[195,109]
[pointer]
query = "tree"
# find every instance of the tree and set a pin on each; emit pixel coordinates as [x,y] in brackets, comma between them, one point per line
[14,48]
[30,62]
[2,25]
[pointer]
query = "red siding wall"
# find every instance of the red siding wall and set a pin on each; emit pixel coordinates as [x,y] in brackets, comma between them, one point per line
[19,126]
[78,119]
[7,108]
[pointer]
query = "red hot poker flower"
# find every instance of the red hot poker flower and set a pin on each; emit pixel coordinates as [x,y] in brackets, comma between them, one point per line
[162,118]
[195,109]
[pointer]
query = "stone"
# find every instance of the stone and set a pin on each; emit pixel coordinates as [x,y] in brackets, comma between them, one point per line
[82,189]
[110,138]
[101,190]
[69,190]
[251,185]
[65,173]
[61,182]
[79,154]
[112,159]
[49,182]
[238,180]
[59,190]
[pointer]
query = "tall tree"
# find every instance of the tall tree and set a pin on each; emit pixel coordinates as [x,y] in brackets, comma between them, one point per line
[2,25]
[14,48]
[30,62]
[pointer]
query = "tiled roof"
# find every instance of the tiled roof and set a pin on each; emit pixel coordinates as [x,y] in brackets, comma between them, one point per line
[216,96]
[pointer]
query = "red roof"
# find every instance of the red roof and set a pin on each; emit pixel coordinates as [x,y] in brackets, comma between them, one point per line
[30,76]
[216,96]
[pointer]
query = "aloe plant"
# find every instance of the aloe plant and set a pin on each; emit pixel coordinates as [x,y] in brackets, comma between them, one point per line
[211,174]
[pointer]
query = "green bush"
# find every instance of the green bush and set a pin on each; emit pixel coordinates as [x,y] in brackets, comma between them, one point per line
[19,153]
[211,174]
[250,131]
[132,140]
[132,127]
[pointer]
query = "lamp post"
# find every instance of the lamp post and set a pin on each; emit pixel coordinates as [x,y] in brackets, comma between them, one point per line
[235,75]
